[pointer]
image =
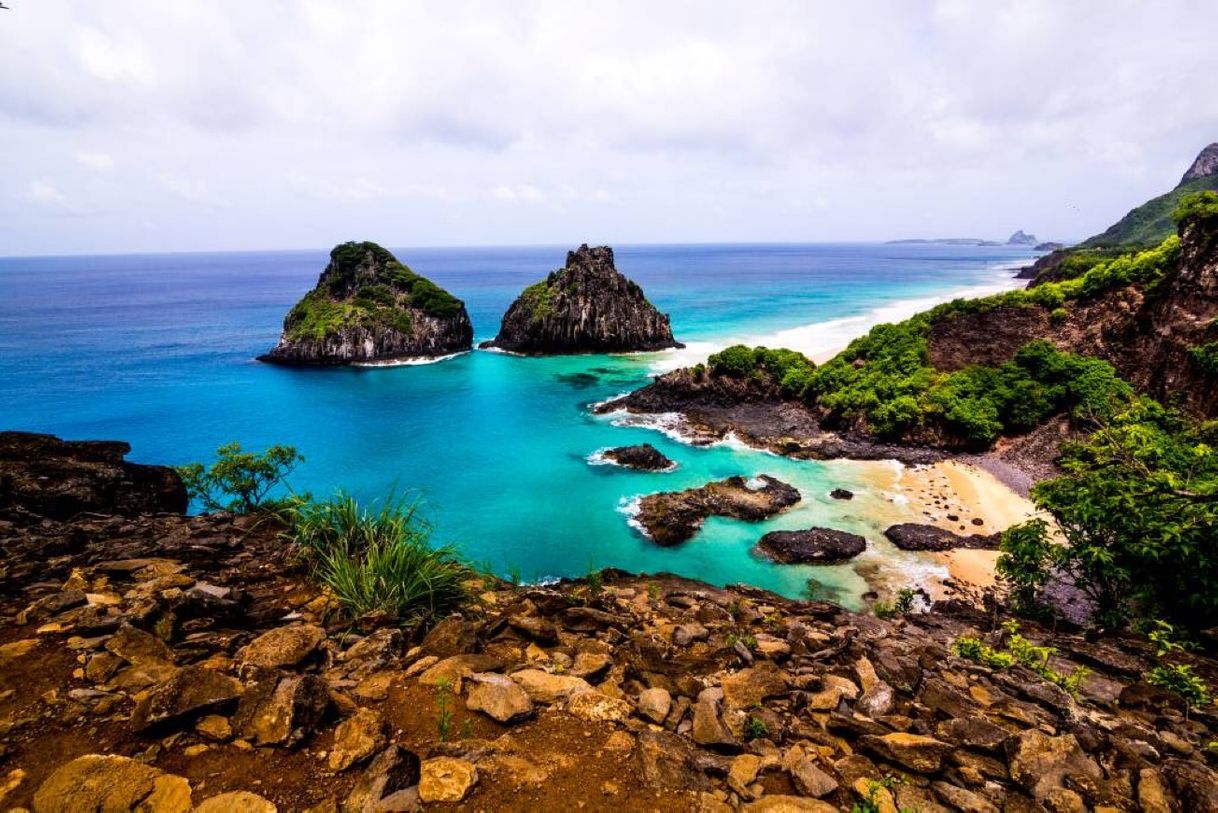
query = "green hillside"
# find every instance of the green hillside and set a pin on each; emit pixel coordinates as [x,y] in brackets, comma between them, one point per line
[1150,223]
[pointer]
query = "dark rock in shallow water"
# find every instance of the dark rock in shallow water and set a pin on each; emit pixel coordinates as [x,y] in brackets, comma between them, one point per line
[812,546]
[59,479]
[586,307]
[914,536]
[643,456]
[670,518]
[369,307]
[841,494]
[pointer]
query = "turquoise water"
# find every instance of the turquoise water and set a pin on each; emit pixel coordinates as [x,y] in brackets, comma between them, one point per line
[158,350]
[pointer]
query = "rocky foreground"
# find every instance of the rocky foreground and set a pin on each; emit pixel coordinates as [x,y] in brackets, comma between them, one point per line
[169,663]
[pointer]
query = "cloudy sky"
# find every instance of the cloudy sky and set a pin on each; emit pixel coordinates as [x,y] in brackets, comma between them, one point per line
[141,125]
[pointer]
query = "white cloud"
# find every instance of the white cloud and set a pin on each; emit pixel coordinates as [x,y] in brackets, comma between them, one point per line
[96,161]
[45,193]
[685,120]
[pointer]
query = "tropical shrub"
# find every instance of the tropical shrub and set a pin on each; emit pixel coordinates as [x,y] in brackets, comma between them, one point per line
[1025,564]
[240,481]
[379,561]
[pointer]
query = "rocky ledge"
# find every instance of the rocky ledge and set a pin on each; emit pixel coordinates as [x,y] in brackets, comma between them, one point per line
[585,307]
[758,413]
[171,663]
[643,457]
[370,308]
[915,536]
[672,517]
[814,546]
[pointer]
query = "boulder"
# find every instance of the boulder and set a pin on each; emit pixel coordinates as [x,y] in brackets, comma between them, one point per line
[393,770]
[811,546]
[644,457]
[841,494]
[192,692]
[913,751]
[498,697]
[136,646]
[597,707]
[585,307]
[282,710]
[543,687]
[237,801]
[669,518]
[749,687]
[283,646]
[446,779]
[654,704]
[357,738]
[1040,763]
[810,780]
[60,479]
[667,762]
[778,803]
[916,536]
[97,782]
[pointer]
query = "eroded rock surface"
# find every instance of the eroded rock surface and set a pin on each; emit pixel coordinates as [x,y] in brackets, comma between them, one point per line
[811,546]
[670,518]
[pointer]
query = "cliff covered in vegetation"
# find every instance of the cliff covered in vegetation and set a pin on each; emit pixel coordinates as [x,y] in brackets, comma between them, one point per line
[588,306]
[369,307]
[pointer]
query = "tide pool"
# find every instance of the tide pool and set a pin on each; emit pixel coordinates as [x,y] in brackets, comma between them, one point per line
[158,350]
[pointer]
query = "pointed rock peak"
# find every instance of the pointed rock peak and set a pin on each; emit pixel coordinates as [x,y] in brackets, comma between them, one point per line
[601,256]
[1205,165]
[1019,238]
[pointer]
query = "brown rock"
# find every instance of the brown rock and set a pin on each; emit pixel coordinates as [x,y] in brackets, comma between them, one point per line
[913,751]
[282,710]
[138,647]
[446,779]
[237,801]
[357,738]
[654,704]
[191,692]
[97,782]
[543,687]
[749,687]
[811,780]
[394,769]
[596,707]
[708,729]
[498,697]
[1040,763]
[667,762]
[788,804]
[283,646]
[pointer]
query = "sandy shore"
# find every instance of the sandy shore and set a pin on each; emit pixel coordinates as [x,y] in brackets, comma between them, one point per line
[960,497]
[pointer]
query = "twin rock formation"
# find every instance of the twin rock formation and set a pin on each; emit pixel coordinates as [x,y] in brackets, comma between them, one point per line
[370,308]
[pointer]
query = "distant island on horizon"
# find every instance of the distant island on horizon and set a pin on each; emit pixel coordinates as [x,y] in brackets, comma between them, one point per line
[1019,238]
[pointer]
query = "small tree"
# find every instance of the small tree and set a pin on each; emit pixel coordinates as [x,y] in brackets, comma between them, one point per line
[1026,562]
[239,481]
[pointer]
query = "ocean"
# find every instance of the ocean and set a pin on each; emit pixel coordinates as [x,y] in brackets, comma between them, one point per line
[158,350]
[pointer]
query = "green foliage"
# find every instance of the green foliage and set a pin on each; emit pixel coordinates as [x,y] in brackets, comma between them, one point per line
[1180,679]
[1025,564]
[366,286]
[1202,205]
[1137,507]
[379,561]
[444,712]
[902,604]
[1021,651]
[1152,221]
[539,298]
[239,481]
[789,369]
[755,728]
[1205,356]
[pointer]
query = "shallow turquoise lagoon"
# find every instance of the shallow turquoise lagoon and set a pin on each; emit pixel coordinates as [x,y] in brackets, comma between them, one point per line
[158,350]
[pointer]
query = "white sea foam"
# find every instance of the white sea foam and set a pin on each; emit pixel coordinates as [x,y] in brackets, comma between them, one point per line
[598,458]
[412,361]
[822,339]
[630,507]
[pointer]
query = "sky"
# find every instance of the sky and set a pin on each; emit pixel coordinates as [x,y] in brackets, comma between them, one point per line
[145,125]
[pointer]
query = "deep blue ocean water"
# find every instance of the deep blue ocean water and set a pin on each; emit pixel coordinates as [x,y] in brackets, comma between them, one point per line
[158,350]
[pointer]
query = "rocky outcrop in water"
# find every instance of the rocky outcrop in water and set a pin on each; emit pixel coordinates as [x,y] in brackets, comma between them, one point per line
[59,479]
[368,307]
[585,307]
[670,518]
[643,457]
[916,536]
[814,546]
